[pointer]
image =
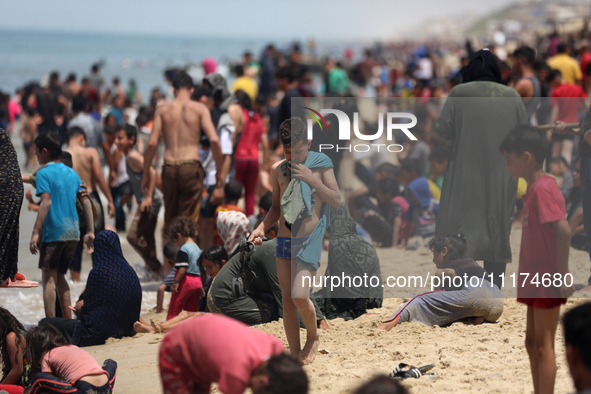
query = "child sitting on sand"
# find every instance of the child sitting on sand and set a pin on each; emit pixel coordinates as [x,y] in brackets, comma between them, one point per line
[59,367]
[12,346]
[187,287]
[545,243]
[476,298]
[210,262]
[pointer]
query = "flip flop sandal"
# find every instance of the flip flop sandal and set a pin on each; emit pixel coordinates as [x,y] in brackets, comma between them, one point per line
[405,371]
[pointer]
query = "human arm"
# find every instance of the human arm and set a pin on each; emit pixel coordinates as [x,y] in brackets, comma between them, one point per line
[274,212]
[109,158]
[151,150]
[326,185]
[136,162]
[265,147]
[563,234]
[43,211]
[102,184]
[89,215]
[576,220]
[26,178]
[180,274]
[16,359]
[396,231]
[216,151]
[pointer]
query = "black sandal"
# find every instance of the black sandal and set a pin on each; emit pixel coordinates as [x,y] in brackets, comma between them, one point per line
[405,371]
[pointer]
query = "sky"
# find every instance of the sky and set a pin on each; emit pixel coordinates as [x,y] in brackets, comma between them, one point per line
[278,19]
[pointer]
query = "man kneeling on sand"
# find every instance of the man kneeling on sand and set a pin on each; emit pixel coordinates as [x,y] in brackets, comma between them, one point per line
[230,354]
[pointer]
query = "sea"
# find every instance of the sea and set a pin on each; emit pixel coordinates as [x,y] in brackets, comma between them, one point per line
[29,56]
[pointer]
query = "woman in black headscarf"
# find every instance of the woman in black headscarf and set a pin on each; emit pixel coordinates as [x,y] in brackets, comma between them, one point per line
[11,199]
[478,193]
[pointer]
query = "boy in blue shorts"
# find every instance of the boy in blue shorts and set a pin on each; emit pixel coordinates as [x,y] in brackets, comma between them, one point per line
[304,186]
[545,244]
[57,185]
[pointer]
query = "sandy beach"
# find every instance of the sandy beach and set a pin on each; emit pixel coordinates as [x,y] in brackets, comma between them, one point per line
[485,358]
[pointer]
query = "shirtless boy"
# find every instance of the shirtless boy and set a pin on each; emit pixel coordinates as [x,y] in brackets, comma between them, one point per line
[298,257]
[180,121]
[87,164]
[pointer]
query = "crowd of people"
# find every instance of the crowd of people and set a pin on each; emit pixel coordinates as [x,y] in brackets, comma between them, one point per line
[199,150]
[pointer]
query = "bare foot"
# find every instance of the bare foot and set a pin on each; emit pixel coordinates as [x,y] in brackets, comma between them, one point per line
[308,353]
[478,320]
[157,328]
[388,324]
[323,325]
[142,328]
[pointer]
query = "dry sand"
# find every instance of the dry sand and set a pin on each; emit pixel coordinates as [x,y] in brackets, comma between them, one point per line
[485,358]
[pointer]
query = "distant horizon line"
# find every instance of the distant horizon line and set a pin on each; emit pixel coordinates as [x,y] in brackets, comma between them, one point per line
[138,34]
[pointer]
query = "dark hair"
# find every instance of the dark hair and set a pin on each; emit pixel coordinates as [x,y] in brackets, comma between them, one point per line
[109,129]
[381,384]
[561,48]
[388,169]
[552,75]
[143,116]
[286,376]
[292,131]
[66,158]
[526,54]
[456,245]
[31,111]
[8,324]
[389,185]
[79,103]
[243,99]
[71,77]
[41,340]
[440,154]
[577,331]
[170,251]
[410,165]
[286,72]
[75,131]
[201,91]
[216,254]
[526,138]
[184,226]
[116,80]
[233,190]
[130,131]
[51,142]
[266,201]
[182,80]
[239,70]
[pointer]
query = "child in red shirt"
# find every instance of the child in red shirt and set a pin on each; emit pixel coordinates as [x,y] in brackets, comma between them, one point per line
[545,244]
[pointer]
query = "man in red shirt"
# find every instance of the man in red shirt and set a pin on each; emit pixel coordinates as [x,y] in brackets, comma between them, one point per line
[567,100]
[212,348]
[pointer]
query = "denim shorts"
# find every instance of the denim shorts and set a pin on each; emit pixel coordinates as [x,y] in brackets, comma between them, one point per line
[285,246]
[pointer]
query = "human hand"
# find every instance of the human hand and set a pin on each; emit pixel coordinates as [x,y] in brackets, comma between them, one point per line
[89,242]
[33,247]
[146,205]
[145,185]
[257,236]
[302,173]
[111,209]
[587,136]
[174,288]
[561,129]
[217,197]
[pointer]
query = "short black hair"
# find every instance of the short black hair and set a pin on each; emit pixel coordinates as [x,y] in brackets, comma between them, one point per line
[182,80]
[79,103]
[233,190]
[286,72]
[143,116]
[561,48]
[410,165]
[526,54]
[266,201]
[456,245]
[388,169]
[201,91]
[577,331]
[171,249]
[286,376]
[526,138]
[130,131]
[66,158]
[239,70]
[552,75]
[71,77]
[51,142]
[389,185]
[292,131]
[381,384]
[75,131]
[440,154]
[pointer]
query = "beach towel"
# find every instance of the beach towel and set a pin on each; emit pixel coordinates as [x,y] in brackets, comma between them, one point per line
[11,199]
[113,295]
[296,204]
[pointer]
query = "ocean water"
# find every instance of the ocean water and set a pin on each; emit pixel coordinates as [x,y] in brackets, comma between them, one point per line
[30,55]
